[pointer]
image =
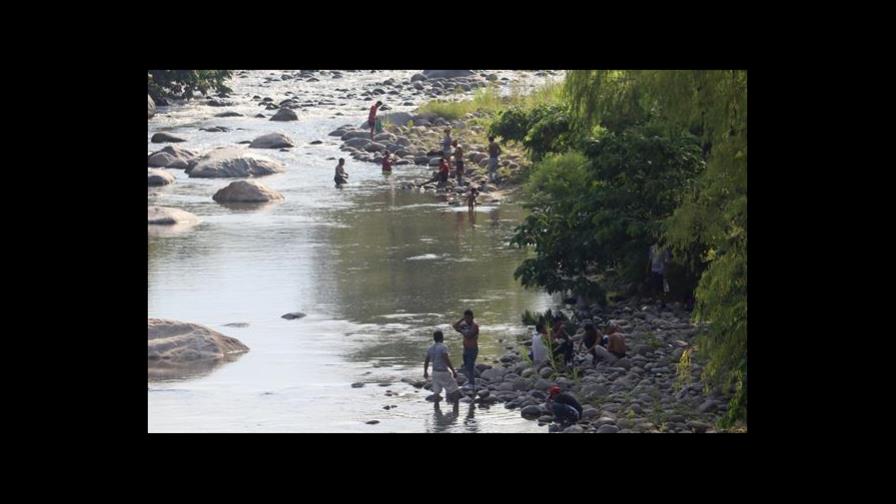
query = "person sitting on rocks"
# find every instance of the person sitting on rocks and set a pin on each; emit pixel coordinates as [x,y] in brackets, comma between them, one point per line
[615,341]
[561,341]
[387,162]
[566,409]
[371,118]
[341,176]
[441,363]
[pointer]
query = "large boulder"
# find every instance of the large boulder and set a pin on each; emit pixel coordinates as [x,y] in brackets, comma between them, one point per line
[246,191]
[151,106]
[398,118]
[418,77]
[285,114]
[171,157]
[358,143]
[159,178]
[447,74]
[165,216]
[355,134]
[166,138]
[233,162]
[272,141]
[174,341]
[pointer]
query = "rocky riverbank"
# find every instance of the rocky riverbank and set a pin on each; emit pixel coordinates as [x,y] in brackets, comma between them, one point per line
[640,393]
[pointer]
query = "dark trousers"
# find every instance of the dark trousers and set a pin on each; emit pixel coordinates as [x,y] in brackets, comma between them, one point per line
[470,364]
[565,414]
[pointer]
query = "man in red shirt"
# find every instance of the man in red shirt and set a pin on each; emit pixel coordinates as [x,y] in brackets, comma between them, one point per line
[387,163]
[470,330]
[371,119]
[444,169]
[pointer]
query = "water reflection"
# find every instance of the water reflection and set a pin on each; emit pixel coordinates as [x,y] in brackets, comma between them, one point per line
[161,370]
[444,421]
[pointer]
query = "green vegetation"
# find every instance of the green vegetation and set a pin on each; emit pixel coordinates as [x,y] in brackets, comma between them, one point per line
[624,159]
[182,83]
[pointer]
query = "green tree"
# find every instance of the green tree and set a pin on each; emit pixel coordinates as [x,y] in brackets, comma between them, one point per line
[182,83]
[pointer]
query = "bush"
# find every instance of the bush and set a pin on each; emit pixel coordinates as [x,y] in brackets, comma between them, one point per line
[182,83]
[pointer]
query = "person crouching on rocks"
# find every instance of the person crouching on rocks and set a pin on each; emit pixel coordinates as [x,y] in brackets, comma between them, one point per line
[387,162]
[441,363]
[444,168]
[591,341]
[566,409]
[561,342]
[341,176]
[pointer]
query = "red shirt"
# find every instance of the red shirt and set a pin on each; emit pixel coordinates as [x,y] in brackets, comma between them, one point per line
[471,335]
[443,167]
[387,166]
[372,116]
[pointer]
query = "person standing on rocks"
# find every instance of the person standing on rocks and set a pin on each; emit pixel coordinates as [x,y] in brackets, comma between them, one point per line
[371,118]
[341,176]
[446,143]
[459,163]
[441,363]
[566,409]
[471,197]
[591,341]
[470,332]
[539,352]
[658,258]
[494,150]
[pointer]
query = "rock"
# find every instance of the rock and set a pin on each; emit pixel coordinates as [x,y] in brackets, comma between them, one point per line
[165,138]
[237,324]
[358,143]
[589,413]
[229,114]
[374,147]
[177,342]
[159,178]
[397,118]
[699,427]
[150,107]
[233,162]
[573,429]
[418,77]
[531,412]
[165,216]
[493,374]
[708,406]
[292,315]
[491,77]
[607,429]
[357,385]
[271,141]
[218,103]
[246,191]
[171,157]
[542,384]
[316,142]
[446,74]
[594,391]
[285,114]
[372,422]
[261,116]
[545,372]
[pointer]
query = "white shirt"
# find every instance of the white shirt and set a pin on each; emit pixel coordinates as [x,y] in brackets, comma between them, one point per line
[539,352]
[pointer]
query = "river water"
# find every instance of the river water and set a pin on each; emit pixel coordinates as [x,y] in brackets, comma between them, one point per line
[375,268]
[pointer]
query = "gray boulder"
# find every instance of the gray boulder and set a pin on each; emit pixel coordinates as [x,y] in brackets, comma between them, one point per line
[165,138]
[285,114]
[271,141]
[174,341]
[150,106]
[246,191]
[159,178]
[233,162]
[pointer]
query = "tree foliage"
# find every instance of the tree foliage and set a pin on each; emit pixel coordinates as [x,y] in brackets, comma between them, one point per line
[182,83]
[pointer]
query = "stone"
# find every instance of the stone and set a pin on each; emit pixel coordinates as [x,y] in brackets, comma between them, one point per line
[166,138]
[233,162]
[531,412]
[607,429]
[246,191]
[159,178]
[150,107]
[285,114]
[292,315]
[166,216]
[173,341]
[271,141]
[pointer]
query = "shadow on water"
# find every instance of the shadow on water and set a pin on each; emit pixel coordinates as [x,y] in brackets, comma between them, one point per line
[163,370]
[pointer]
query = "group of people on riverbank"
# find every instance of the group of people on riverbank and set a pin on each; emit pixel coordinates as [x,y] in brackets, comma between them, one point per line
[450,149]
[599,344]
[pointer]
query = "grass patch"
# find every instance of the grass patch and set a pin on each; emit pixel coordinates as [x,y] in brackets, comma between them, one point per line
[489,99]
